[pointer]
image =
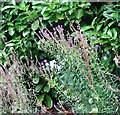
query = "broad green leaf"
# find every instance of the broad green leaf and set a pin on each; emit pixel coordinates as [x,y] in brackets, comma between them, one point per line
[100,41]
[79,14]
[109,33]
[46,14]
[48,101]
[19,28]
[6,7]
[105,36]
[94,110]
[11,30]
[105,29]
[10,24]
[60,16]
[35,25]
[41,98]
[99,27]
[39,87]
[114,31]
[111,23]
[46,88]
[26,32]
[10,44]
[64,8]
[94,21]
[107,48]
[48,17]
[71,11]
[43,10]
[84,28]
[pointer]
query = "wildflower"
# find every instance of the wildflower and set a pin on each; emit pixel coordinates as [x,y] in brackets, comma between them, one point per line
[108,52]
[95,37]
[93,47]
[97,46]
[105,57]
[45,61]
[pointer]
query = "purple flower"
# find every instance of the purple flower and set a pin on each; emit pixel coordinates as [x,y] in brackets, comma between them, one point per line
[93,47]
[79,49]
[105,57]
[69,38]
[108,52]
[95,36]
[42,63]
[97,46]
[45,61]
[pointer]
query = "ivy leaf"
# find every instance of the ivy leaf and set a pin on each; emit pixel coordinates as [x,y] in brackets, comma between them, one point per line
[48,101]
[35,25]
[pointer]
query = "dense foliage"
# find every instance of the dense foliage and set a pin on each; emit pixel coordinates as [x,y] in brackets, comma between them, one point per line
[61,55]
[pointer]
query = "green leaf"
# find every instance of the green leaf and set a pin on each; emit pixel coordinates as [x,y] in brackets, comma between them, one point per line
[59,16]
[6,7]
[93,22]
[107,48]
[46,88]
[109,33]
[101,41]
[36,79]
[43,10]
[98,27]
[10,44]
[84,28]
[35,25]
[105,36]
[11,30]
[94,110]
[114,31]
[48,101]
[79,14]
[48,17]
[111,23]
[26,32]
[10,24]
[41,98]
[19,28]
[39,87]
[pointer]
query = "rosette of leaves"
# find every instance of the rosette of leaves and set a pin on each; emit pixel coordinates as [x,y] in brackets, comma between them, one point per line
[44,89]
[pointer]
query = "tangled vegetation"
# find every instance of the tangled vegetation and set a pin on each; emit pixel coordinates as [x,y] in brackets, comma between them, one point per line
[53,59]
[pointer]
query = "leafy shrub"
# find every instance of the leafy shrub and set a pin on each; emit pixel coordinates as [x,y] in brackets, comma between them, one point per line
[83,82]
[104,31]
[14,97]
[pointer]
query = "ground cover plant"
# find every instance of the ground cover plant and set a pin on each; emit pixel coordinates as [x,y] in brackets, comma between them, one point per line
[56,61]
